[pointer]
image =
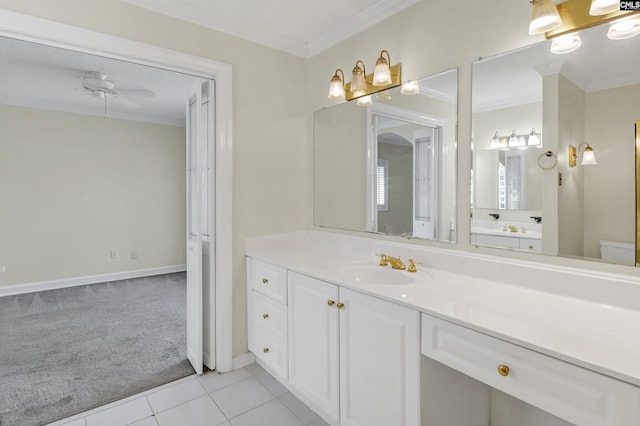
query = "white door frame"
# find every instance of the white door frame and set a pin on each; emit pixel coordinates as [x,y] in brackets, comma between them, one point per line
[51,33]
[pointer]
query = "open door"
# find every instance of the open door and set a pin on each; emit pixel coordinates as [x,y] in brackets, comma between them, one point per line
[198,211]
[425,186]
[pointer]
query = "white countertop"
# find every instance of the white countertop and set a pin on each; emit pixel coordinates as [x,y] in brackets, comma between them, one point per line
[507,299]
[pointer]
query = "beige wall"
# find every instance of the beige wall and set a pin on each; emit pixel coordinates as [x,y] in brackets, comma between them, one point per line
[609,197]
[271,131]
[571,194]
[73,187]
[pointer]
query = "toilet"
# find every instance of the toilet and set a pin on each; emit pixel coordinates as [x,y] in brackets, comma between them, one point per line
[618,252]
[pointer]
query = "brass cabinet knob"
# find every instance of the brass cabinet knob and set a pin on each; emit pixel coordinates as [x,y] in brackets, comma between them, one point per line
[265,316]
[340,305]
[265,281]
[331,302]
[265,350]
[503,370]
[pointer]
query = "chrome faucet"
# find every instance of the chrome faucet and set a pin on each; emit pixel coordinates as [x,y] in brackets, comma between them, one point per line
[395,262]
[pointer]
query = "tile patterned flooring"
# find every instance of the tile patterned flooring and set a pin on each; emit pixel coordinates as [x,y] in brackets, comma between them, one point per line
[245,397]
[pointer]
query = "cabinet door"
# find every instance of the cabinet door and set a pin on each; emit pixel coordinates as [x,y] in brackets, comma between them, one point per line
[313,341]
[379,362]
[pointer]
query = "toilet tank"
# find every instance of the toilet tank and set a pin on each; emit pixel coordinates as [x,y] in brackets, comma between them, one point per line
[618,252]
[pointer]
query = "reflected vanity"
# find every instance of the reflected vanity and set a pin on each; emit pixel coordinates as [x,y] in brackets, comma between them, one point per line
[528,196]
[389,167]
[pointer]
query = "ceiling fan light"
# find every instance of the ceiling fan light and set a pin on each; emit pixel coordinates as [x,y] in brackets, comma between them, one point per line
[544,17]
[624,28]
[602,7]
[566,43]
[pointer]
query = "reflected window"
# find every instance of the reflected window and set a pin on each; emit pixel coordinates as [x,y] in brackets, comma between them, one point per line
[382,186]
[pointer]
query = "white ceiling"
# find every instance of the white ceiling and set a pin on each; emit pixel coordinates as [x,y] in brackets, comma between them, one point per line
[301,27]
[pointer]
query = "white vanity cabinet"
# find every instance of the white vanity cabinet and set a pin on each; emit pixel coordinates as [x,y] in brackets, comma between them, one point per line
[267,315]
[572,393]
[354,356]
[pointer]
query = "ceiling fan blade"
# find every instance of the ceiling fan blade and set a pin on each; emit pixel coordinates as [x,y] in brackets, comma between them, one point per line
[136,93]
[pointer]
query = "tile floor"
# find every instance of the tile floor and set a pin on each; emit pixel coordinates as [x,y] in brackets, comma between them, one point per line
[245,397]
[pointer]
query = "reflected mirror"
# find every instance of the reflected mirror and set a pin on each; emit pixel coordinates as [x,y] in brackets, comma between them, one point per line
[532,109]
[389,167]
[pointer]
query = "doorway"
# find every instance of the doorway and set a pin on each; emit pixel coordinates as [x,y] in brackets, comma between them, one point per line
[26,28]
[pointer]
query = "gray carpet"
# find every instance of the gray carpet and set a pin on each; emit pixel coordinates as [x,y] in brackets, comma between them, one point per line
[70,350]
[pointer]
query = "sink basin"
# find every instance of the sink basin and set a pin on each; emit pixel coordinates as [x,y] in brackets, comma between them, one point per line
[375,274]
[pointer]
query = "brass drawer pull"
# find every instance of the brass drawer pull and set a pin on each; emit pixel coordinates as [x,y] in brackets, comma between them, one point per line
[331,302]
[265,350]
[265,316]
[265,281]
[340,305]
[503,370]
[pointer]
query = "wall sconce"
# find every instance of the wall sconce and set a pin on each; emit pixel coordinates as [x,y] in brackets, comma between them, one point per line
[561,23]
[515,140]
[588,156]
[385,76]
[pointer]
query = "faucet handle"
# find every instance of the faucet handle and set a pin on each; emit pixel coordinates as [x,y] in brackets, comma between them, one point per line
[384,259]
[412,265]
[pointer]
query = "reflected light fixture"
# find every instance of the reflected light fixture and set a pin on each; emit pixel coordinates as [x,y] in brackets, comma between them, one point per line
[364,101]
[533,139]
[336,87]
[382,73]
[544,17]
[566,43]
[624,28]
[495,141]
[602,7]
[410,88]
[358,80]
[588,156]
[515,141]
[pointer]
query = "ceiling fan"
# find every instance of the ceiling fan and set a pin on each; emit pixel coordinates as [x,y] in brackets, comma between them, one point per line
[97,84]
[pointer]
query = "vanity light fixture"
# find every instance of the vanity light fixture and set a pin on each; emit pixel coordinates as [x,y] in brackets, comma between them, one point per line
[385,77]
[516,141]
[566,43]
[496,143]
[624,28]
[410,88]
[382,73]
[602,7]
[358,81]
[533,139]
[336,87]
[544,17]
[588,156]
[578,15]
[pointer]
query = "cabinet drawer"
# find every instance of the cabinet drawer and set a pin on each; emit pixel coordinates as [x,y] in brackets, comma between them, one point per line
[575,394]
[496,241]
[270,350]
[269,280]
[532,245]
[269,315]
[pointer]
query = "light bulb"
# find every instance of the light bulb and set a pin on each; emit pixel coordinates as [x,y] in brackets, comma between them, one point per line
[602,7]
[624,28]
[566,43]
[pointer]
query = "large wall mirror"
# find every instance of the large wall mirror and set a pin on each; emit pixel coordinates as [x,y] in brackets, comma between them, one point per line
[390,167]
[530,107]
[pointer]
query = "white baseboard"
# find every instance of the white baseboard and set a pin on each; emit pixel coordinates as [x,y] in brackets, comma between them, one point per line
[242,360]
[89,279]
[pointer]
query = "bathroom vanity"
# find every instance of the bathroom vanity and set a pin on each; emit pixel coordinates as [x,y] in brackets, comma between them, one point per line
[368,345]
